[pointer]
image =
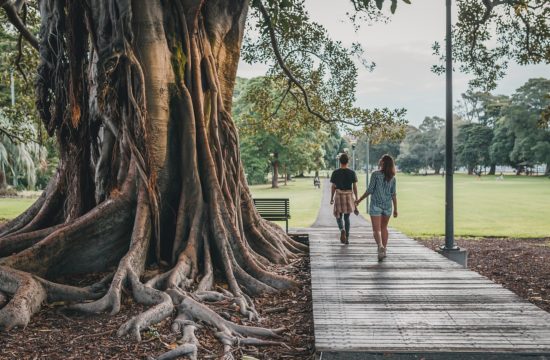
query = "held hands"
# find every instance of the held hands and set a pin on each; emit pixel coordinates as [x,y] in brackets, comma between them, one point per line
[331,201]
[357,202]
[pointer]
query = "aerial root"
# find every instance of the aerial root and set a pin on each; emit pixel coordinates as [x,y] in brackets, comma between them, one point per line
[110,301]
[184,326]
[178,276]
[128,265]
[60,292]
[27,296]
[161,310]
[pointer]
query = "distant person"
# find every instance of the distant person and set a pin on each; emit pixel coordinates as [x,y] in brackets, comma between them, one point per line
[343,196]
[478,174]
[500,177]
[382,187]
[317,182]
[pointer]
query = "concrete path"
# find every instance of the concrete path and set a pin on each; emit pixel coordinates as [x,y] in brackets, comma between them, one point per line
[415,304]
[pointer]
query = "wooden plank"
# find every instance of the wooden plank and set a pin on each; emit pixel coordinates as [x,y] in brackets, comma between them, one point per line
[416,300]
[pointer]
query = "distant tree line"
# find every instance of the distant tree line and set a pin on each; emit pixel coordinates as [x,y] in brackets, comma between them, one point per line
[278,136]
[489,130]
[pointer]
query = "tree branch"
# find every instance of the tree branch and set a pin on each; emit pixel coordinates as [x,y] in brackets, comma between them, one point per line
[11,136]
[287,71]
[11,10]
[282,99]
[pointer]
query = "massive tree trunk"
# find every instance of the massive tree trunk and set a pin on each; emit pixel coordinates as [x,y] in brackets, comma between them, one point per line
[138,94]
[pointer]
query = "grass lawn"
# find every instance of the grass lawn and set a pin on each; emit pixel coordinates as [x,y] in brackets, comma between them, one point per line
[304,199]
[515,207]
[11,207]
[518,206]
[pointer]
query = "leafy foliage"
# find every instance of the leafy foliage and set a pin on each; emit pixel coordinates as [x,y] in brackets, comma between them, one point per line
[423,148]
[491,33]
[267,128]
[27,157]
[491,130]
[473,143]
[531,144]
[310,69]
[18,59]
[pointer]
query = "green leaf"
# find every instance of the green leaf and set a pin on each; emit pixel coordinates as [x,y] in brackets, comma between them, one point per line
[393,6]
[407,1]
[379,4]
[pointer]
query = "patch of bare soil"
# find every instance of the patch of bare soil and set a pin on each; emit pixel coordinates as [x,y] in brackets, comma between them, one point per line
[520,265]
[54,333]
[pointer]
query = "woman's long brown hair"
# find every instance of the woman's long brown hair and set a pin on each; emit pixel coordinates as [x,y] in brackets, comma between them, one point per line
[388,167]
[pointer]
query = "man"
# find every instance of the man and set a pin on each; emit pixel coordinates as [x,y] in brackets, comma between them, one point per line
[343,181]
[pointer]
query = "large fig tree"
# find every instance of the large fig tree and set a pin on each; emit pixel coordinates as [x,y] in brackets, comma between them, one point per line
[138,95]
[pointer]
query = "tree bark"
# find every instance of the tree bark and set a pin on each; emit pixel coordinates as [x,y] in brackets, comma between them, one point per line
[275,166]
[492,169]
[138,96]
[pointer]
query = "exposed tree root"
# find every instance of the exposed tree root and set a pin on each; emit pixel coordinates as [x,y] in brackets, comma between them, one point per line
[27,297]
[13,244]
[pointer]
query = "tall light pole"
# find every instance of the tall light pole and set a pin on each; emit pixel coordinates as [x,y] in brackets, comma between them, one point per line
[353,155]
[449,168]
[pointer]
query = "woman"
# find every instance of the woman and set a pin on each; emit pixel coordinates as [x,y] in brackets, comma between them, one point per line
[383,190]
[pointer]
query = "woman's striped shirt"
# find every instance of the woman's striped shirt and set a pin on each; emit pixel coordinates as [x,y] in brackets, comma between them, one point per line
[381,190]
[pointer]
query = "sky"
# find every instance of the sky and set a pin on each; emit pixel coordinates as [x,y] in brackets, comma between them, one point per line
[402,51]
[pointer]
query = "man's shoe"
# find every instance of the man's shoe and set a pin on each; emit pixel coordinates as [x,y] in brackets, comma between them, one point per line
[343,236]
[347,240]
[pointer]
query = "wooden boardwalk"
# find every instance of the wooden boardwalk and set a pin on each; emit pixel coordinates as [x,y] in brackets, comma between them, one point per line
[414,302]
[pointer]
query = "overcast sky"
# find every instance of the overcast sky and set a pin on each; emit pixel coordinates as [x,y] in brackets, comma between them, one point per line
[402,52]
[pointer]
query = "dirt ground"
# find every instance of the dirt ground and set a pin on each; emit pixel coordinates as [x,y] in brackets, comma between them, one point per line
[56,334]
[520,265]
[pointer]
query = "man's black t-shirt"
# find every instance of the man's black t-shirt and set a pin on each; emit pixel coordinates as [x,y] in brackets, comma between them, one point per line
[343,178]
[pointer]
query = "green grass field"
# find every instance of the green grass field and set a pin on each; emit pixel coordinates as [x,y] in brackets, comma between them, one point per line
[515,207]
[11,207]
[304,199]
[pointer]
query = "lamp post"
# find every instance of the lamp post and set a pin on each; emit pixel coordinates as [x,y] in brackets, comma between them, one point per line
[450,250]
[353,155]
[449,208]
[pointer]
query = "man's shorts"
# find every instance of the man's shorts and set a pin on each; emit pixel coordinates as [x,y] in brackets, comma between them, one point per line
[375,210]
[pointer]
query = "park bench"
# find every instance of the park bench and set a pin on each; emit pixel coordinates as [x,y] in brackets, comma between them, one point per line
[273,209]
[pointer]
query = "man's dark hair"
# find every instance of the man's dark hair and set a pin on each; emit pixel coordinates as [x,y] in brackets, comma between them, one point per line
[344,159]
